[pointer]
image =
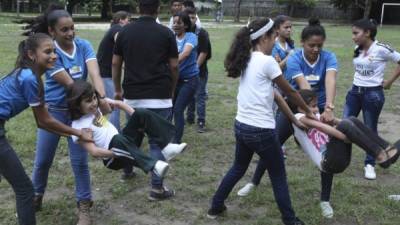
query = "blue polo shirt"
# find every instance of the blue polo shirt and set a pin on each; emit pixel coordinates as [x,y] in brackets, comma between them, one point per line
[297,65]
[188,68]
[281,52]
[74,65]
[18,91]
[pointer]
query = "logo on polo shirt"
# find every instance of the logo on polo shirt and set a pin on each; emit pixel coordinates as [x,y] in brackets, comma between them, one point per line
[75,72]
[100,121]
[312,78]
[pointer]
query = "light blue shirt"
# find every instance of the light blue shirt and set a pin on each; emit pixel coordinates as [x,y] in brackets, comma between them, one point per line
[74,65]
[188,68]
[18,91]
[281,52]
[297,65]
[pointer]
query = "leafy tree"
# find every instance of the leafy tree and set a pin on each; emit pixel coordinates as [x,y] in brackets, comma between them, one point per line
[292,4]
[365,5]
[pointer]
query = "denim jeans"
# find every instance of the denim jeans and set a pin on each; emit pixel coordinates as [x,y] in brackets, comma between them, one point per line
[155,149]
[46,147]
[370,101]
[185,91]
[12,170]
[264,143]
[115,114]
[199,102]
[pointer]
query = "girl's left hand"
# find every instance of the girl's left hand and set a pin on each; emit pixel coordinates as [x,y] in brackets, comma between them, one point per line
[104,106]
[386,85]
[327,117]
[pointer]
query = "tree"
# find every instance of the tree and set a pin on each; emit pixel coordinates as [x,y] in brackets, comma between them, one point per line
[237,10]
[365,5]
[292,4]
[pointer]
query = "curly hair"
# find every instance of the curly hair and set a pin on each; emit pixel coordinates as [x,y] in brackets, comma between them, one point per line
[239,53]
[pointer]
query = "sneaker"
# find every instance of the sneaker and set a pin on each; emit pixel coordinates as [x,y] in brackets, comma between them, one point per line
[172,150]
[189,121]
[160,168]
[84,215]
[159,195]
[37,202]
[394,197]
[369,172]
[284,152]
[201,127]
[244,191]
[214,213]
[127,176]
[326,209]
[296,221]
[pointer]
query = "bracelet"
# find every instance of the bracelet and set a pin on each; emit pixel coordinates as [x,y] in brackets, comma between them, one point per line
[102,97]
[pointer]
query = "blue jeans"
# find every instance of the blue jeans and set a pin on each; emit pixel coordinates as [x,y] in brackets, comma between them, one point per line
[185,91]
[370,101]
[115,114]
[155,150]
[199,101]
[264,143]
[46,147]
[13,171]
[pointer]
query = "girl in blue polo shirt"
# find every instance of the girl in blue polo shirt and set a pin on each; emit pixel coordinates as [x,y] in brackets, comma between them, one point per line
[284,45]
[188,70]
[20,89]
[75,60]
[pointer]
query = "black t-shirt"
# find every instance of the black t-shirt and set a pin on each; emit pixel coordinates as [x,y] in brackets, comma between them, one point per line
[146,48]
[105,51]
[204,45]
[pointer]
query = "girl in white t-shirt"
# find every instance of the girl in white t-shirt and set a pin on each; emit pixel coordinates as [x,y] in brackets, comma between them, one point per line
[329,147]
[120,150]
[366,94]
[250,60]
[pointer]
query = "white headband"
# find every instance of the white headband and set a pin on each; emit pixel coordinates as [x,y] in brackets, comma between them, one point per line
[262,30]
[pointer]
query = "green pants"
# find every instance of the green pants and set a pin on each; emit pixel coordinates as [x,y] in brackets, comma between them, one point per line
[140,123]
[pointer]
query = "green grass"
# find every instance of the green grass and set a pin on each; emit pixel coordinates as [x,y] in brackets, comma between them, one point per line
[196,174]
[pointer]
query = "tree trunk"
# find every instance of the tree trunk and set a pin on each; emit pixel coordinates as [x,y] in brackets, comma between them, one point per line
[237,10]
[106,9]
[367,9]
[70,5]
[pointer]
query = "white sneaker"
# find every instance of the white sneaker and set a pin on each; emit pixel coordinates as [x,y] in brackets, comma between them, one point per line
[326,209]
[369,172]
[160,168]
[244,191]
[394,197]
[172,150]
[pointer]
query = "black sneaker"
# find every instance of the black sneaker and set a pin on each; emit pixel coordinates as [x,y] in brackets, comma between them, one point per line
[127,176]
[214,213]
[163,194]
[296,221]
[201,128]
[37,202]
[189,121]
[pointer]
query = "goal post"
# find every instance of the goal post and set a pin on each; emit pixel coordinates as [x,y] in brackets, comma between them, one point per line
[383,9]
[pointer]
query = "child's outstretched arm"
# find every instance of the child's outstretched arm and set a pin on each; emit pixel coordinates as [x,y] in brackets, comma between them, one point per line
[121,105]
[331,131]
[283,106]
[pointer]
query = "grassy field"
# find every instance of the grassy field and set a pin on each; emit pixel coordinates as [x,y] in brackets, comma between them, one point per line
[196,174]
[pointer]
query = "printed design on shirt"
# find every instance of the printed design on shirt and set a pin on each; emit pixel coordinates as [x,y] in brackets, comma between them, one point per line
[75,72]
[100,121]
[317,138]
[385,46]
[365,69]
[312,78]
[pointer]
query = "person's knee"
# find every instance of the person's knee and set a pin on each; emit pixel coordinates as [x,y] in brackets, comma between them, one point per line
[345,125]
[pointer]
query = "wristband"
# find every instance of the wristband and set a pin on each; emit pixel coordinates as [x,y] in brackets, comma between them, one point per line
[102,97]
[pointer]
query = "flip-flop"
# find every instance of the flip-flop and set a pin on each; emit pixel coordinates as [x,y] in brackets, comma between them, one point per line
[385,164]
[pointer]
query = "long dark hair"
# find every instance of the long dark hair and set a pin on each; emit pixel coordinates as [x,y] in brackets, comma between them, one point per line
[278,21]
[75,94]
[314,28]
[41,24]
[239,53]
[23,61]
[307,95]
[184,16]
[366,25]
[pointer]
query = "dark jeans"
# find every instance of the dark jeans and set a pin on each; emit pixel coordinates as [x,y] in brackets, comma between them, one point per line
[12,170]
[185,91]
[199,102]
[370,101]
[141,122]
[264,143]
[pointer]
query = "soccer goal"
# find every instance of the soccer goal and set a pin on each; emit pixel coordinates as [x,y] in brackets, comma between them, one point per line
[383,9]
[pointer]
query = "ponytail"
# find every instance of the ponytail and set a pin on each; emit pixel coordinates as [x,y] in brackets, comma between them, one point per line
[239,53]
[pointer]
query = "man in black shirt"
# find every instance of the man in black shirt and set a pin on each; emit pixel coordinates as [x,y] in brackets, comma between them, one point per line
[150,54]
[204,54]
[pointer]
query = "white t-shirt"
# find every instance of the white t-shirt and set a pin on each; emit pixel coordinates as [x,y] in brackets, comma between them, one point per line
[256,93]
[103,130]
[313,142]
[370,65]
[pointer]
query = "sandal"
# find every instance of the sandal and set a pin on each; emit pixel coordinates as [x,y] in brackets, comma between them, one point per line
[389,161]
